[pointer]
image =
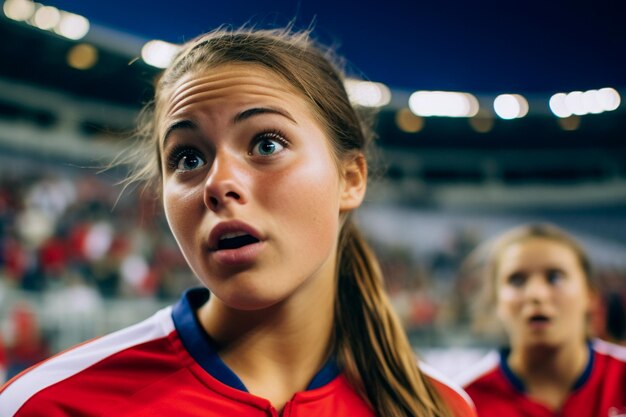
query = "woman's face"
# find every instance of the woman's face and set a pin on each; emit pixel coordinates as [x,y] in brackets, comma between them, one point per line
[251,190]
[542,293]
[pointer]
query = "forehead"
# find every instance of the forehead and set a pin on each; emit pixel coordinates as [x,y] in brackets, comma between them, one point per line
[232,83]
[537,252]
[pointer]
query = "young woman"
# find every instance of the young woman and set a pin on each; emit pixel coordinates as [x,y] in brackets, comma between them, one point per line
[540,282]
[260,159]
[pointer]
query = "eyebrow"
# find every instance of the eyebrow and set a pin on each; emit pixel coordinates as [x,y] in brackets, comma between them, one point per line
[239,117]
[246,114]
[179,125]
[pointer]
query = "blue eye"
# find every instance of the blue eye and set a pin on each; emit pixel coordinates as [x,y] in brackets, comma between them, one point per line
[516,280]
[189,162]
[184,160]
[554,275]
[268,144]
[267,147]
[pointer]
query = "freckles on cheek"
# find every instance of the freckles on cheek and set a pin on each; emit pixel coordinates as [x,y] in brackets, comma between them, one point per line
[316,194]
[307,180]
[179,207]
[307,202]
[169,196]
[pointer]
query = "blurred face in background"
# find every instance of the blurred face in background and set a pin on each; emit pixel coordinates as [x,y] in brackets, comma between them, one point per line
[251,188]
[542,293]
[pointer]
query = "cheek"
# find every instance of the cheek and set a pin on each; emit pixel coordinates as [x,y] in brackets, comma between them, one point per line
[305,199]
[576,298]
[178,206]
[507,302]
[507,295]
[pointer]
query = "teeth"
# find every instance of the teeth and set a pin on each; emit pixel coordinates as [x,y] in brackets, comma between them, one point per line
[232,235]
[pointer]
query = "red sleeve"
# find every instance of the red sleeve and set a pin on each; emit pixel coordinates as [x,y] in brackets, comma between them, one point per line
[458,403]
[3,359]
[457,399]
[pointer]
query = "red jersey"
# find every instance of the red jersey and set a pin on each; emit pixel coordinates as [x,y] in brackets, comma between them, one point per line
[168,366]
[600,391]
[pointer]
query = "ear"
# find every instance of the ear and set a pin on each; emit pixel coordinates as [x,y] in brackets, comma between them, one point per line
[595,314]
[354,182]
[594,301]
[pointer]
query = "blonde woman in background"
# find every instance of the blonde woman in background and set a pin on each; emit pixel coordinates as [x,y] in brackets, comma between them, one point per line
[537,281]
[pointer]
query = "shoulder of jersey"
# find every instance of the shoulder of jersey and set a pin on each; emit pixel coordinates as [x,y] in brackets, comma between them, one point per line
[610,349]
[75,360]
[461,404]
[484,366]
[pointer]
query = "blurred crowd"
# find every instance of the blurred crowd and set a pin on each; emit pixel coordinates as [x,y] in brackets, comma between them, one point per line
[71,242]
[82,232]
[74,242]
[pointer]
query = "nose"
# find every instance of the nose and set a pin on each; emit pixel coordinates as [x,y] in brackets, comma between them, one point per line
[223,185]
[537,289]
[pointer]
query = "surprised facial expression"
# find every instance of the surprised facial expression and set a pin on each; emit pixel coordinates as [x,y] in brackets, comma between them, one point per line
[542,293]
[251,188]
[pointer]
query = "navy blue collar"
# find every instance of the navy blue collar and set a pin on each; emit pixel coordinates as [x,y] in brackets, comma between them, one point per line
[202,348]
[518,384]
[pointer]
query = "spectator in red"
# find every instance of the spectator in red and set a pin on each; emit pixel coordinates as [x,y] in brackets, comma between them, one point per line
[27,345]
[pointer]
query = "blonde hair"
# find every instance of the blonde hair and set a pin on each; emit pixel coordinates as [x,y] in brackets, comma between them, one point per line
[369,341]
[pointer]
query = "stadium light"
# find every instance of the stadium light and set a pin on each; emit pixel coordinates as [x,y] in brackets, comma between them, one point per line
[482,122]
[158,53]
[569,123]
[574,102]
[72,26]
[609,98]
[66,24]
[510,106]
[591,102]
[588,102]
[47,17]
[20,10]
[558,106]
[368,94]
[82,56]
[443,103]
[409,122]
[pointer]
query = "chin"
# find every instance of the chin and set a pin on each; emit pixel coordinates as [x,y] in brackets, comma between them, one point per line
[250,305]
[542,343]
[248,300]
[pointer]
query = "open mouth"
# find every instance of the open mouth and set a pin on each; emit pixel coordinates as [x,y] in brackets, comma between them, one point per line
[235,240]
[538,319]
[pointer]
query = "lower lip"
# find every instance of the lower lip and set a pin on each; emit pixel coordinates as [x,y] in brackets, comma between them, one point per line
[538,325]
[240,256]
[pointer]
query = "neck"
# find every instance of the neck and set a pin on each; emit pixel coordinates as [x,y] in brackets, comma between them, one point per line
[548,372]
[567,361]
[263,347]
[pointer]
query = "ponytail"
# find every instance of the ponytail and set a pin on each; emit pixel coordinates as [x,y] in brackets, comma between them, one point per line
[371,344]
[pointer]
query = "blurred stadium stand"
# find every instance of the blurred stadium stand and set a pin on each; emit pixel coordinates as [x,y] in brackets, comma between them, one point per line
[84,268]
[521,162]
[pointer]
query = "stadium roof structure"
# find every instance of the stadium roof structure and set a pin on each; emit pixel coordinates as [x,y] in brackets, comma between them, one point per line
[479,46]
[477,160]
[40,58]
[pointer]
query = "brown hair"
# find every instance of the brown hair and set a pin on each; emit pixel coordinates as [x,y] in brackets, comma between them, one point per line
[369,341]
[485,261]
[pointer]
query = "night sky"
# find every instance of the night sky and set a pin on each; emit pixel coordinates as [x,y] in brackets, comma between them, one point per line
[477,46]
